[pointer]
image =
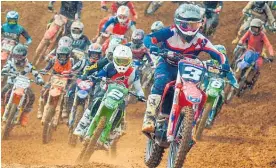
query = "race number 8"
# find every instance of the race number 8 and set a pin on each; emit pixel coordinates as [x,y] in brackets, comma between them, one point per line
[116,94]
[216,84]
[192,73]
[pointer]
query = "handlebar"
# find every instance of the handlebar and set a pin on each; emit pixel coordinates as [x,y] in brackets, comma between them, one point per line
[15,75]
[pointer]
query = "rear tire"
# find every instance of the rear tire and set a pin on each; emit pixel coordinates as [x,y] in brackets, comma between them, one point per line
[47,126]
[154,154]
[9,123]
[179,150]
[202,121]
[72,141]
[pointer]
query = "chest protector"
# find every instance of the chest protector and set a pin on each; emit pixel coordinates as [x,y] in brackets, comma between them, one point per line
[121,29]
[123,77]
[58,68]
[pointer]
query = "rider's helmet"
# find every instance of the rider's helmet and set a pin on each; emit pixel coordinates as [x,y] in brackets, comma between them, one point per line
[256,26]
[221,49]
[65,41]
[19,54]
[63,54]
[122,58]
[119,3]
[77,30]
[12,18]
[157,25]
[259,5]
[188,20]
[94,52]
[137,37]
[122,14]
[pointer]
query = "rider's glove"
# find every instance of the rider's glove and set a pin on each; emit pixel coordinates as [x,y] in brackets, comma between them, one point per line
[225,67]
[104,8]
[141,98]
[218,9]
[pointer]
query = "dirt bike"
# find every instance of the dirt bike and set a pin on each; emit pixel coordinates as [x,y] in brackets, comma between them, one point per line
[114,38]
[54,31]
[246,73]
[50,118]
[177,112]
[215,100]
[207,29]
[7,46]
[106,124]
[81,97]
[16,104]
[152,7]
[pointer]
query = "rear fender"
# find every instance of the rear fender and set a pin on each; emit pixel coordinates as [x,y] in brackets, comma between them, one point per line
[51,32]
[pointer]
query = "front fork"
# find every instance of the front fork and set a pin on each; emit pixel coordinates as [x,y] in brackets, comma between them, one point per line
[19,104]
[72,115]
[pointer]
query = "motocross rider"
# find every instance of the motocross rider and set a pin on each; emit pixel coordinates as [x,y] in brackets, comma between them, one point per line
[59,64]
[120,70]
[119,24]
[256,9]
[216,6]
[157,25]
[19,64]
[115,5]
[182,37]
[138,48]
[12,30]
[255,39]
[69,10]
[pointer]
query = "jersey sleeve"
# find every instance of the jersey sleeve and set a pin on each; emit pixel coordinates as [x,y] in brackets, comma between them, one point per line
[268,45]
[158,36]
[26,36]
[108,23]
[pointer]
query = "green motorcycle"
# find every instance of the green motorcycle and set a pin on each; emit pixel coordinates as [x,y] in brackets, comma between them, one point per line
[106,124]
[215,90]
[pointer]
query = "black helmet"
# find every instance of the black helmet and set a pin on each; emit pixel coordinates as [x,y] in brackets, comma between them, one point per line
[63,54]
[259,4]
[19,54]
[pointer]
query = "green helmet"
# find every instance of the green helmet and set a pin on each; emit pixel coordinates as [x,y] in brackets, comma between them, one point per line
[221,49]
[63,54]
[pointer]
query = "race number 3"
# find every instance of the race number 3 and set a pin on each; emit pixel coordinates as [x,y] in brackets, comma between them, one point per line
[116,94]
[192,73]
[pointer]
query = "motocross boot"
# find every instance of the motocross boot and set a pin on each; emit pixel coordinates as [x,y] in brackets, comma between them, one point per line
[83,124]
[40,108]
[149,118]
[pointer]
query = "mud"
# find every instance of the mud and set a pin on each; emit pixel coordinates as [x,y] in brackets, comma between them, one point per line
[243,136]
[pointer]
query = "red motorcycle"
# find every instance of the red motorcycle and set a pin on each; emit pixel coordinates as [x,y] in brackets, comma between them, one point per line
[177,113]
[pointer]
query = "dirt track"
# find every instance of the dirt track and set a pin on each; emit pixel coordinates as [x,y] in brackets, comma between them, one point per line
[243,136]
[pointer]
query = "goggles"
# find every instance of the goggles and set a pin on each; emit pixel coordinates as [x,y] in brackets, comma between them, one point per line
[188,25]
[122,61]
[12,21]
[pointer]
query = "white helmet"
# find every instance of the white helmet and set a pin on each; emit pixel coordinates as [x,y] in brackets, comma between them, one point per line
[122,58]
[123,14]
[77,30]
[65,41]
[157,25]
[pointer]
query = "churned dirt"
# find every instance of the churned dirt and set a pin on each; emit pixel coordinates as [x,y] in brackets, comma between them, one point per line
[244,134]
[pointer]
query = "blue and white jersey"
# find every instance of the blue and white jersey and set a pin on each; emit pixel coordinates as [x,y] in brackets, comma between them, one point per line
[173,42]
[14,32]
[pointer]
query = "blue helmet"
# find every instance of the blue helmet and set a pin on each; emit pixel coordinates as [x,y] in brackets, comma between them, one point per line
[12,17]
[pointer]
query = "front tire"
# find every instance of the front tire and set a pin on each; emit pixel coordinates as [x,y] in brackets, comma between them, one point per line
[179,149]
[72,140]
[9,123]
[90,147]
[47,126]
[202,121]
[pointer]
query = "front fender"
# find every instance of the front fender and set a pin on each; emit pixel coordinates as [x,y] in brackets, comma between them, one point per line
[192,93]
